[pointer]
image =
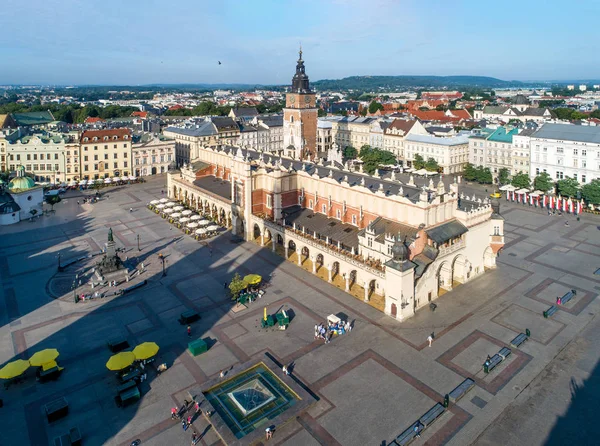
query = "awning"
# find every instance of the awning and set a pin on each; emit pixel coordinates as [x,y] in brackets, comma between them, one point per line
[447,231]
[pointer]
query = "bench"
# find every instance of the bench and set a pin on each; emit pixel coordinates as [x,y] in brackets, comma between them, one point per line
[116,345]
[126,386]
[187,317]
[56,409]
[135,373]
[491,365]
[409,434]
[432,414]
[504,352]
[461,390]
[550,311]
[518,340]
[567,297]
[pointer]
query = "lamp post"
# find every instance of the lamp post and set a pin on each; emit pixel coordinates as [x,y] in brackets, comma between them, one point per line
[162,259]
[138,242]
[59,261]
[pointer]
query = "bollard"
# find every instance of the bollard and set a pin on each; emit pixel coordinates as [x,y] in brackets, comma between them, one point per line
[527,332]
[446,400]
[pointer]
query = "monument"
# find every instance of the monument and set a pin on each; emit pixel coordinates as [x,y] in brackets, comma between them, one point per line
[111,265]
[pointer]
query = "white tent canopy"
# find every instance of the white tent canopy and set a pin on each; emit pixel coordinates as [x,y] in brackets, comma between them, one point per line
[179,208]
[168,211]
[204,222]
[187,212]
[192,225]
[154,202]
[184,219]
[508,187]
[212,228]
[195,217]
[164,200]
[420,172]
[169,204]
[175,215]
[201,231]
[523,191]
[160,206]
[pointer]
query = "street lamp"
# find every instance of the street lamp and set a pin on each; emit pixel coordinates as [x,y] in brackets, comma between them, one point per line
[163,260]
[59,261]
[138,242]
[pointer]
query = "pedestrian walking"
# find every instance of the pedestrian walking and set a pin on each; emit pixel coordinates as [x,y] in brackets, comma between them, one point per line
[210,251]
[197,406]
[221,374]
[417,434]
[285,370]
[189,420]
[189,331]
[269,433]
[430,339]
[184,425]
[224,285]
[194,438]
[174,411]
[316,331]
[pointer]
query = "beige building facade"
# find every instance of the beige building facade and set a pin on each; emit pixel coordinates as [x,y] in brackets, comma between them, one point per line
[152,155]
[106,153]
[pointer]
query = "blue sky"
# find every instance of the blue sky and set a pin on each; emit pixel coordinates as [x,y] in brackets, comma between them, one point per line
[180,41]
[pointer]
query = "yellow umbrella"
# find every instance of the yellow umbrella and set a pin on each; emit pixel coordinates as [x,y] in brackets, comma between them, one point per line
[252,279]
[14,369]
[43,357]
[120,361]
[145,350]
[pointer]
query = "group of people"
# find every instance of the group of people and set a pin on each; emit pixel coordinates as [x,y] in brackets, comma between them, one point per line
[186,422]
[326,331]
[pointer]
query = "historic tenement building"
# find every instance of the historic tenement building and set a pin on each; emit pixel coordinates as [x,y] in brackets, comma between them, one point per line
[382,240]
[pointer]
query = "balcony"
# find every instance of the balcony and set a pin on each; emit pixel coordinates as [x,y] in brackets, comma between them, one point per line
[452,248]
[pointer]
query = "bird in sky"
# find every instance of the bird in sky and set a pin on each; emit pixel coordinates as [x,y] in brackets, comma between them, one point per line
[219,62]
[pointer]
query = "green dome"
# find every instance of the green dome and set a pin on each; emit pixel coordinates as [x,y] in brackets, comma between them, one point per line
[21,183]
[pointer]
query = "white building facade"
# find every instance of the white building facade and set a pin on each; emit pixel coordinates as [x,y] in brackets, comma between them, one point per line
[152,155]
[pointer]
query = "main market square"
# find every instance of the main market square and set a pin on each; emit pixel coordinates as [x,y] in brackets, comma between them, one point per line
[365,387]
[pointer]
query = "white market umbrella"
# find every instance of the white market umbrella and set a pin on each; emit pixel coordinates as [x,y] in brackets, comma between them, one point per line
[164,200]
[107,181]
[116,179]
[168,211]
[132,178]
[523,191]
[201,231]
[192,225]
[154,202]
[187,212]
[73,183]
[534,194]
[184,220]
[195,217]
[176,215]
[98,180]
[204,222]
[160,206]
[179,208]
[169,204]
[212,228]
[507,188]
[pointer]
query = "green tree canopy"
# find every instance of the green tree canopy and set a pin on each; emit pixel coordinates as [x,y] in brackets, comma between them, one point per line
[418,162]
[484,175]
[350,152]
[373,158]
[236,286]
[431,165]
[591,192]
[503,176]
[321,113]
[52,200]
[543,182]
[521,181]
[470,172]
[567,187]
[374,106]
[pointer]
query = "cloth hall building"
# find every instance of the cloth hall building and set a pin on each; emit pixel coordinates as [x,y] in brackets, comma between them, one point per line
[393,244]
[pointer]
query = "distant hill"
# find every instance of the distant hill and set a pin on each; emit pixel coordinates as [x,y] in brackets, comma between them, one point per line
[370,83]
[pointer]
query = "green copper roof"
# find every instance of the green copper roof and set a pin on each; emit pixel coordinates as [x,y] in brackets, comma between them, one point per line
[21,183]
[33,118]
[502,134]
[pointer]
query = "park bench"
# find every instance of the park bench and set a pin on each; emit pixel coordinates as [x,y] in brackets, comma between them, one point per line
[56,409]
[130,375]
[117,344]
[461,390]
[432,414]
[491,365]
[187,317]
[504,353]
[409,434]
[518,340]
[550,311]
[567,297]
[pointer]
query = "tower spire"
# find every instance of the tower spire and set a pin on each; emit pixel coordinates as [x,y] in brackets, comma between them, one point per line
[300,53]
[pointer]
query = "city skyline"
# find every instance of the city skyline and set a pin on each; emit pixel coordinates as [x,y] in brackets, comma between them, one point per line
[145,43]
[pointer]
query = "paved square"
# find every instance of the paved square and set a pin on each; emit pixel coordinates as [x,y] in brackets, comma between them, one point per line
[371,384]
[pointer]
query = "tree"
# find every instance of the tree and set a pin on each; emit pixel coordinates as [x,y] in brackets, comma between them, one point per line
[484,175]
[567,187]
[543,182]
[373,158]
[363,111]
[350,152]
[431,165]
[321,113]
[521,181]
[52,200]
[374,106]
[503,176]
[236,286]
[595,114]
[470,172]
[591,192]
[419,162]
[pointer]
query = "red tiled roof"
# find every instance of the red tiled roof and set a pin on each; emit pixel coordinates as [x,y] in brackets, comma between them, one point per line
[92,120]
[121,135]
[140,114]
[176,107]
[402,124]
[434,115]
[439,95]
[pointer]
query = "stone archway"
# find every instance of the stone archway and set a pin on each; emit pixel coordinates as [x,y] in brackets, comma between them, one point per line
[335,270]
[352,278]
[489,258]
[394,310]
[444,278]
[290,249]
[319,260]
[304,255]
[256,234]
[461,270]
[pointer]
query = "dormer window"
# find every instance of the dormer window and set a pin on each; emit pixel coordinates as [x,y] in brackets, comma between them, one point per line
[126,137]
[95,138]
[106,138]
[115,137]
[86,139]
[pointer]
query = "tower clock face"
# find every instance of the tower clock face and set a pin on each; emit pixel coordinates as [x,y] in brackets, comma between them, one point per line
[307,99]
[292,99]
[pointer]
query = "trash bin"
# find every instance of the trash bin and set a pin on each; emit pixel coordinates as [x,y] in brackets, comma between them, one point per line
[197,347]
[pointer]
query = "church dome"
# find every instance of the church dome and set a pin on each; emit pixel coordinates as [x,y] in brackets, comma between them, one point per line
[21,182]
[399,251]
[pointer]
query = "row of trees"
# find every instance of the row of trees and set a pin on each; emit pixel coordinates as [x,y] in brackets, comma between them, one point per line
[373,157]
[567,187]
[71,113]
[574,115]
[431,164]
